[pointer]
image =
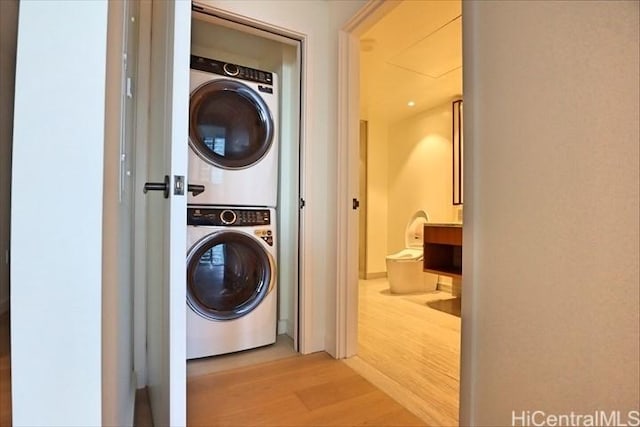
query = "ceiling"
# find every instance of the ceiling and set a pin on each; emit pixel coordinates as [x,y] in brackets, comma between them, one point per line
[414,53]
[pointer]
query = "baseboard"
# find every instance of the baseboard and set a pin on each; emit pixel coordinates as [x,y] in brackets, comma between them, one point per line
[379,275]
[4,305]
[283,326]
[456,287]
[445,287]
[290,329]
[141,380]
[131,409]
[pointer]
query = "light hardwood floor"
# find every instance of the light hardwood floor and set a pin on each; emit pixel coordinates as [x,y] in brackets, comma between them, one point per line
[5,371]
[409,349]
[312,390]
[409,345]
[282,348]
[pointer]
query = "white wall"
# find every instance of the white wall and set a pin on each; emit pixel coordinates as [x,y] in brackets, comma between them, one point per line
[57,213]
[551,309]
[377,196]
[319,21]
[8,35]
[419,171]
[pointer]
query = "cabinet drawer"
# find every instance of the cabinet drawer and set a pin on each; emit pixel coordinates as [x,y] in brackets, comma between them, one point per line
[443,235]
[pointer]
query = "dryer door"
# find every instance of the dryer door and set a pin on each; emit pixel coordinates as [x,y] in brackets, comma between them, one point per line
[228,275]
[230,125]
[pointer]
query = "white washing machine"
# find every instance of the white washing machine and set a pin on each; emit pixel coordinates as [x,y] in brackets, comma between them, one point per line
[233,134]
[231,279]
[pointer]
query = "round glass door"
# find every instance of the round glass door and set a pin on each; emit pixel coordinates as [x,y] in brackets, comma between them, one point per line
[230,125]
[228,275]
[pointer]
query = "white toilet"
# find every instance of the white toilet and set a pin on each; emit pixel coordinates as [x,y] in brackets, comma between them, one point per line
[405,268]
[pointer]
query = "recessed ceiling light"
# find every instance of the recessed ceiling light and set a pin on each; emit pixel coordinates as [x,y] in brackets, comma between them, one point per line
[411,104]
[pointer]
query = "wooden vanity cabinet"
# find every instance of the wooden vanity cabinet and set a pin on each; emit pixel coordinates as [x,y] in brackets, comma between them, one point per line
[443,249]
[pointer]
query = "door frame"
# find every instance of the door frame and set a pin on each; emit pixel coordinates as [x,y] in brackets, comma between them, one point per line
[347,177]
[346,312]
[303,293]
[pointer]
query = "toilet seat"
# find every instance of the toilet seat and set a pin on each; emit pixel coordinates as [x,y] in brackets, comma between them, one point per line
[408,254]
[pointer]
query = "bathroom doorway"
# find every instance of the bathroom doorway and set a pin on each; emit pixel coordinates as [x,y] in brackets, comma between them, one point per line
[410,73]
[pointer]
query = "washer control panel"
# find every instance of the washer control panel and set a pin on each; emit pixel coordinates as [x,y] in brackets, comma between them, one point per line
[228,217]
[231,70]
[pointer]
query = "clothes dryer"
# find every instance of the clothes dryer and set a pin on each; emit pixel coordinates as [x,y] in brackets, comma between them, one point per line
[231,279]
[233,134]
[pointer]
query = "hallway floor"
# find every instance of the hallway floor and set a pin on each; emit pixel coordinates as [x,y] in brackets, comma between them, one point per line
[409,346]
[311,390]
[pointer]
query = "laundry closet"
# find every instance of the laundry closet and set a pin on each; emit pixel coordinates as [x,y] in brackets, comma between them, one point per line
[243,209]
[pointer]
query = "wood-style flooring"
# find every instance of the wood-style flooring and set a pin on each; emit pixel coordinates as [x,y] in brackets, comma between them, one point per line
[5,371]
[409,345]
[281,349]
[409,352]
[312,390]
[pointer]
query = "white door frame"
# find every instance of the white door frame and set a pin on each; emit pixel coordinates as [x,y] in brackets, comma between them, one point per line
[346,313]
[347,180]
[303,294]
[166,216]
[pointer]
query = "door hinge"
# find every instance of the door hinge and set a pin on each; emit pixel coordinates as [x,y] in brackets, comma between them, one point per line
[356,204]
[302,203]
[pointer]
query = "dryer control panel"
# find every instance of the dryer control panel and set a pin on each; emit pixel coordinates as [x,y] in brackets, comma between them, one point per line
[228,216]
[232,70]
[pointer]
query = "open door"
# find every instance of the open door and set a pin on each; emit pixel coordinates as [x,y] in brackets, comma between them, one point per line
[166,211]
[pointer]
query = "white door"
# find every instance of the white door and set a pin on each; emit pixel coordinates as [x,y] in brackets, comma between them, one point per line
[166,212]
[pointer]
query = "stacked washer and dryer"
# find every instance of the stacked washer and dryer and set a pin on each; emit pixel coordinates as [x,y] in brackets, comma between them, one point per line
[231,226]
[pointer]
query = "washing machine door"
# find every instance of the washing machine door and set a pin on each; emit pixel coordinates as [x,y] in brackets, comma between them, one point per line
[230,125]
[228,274]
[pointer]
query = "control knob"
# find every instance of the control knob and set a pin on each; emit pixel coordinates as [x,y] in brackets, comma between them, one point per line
[228,217]
[231,69]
